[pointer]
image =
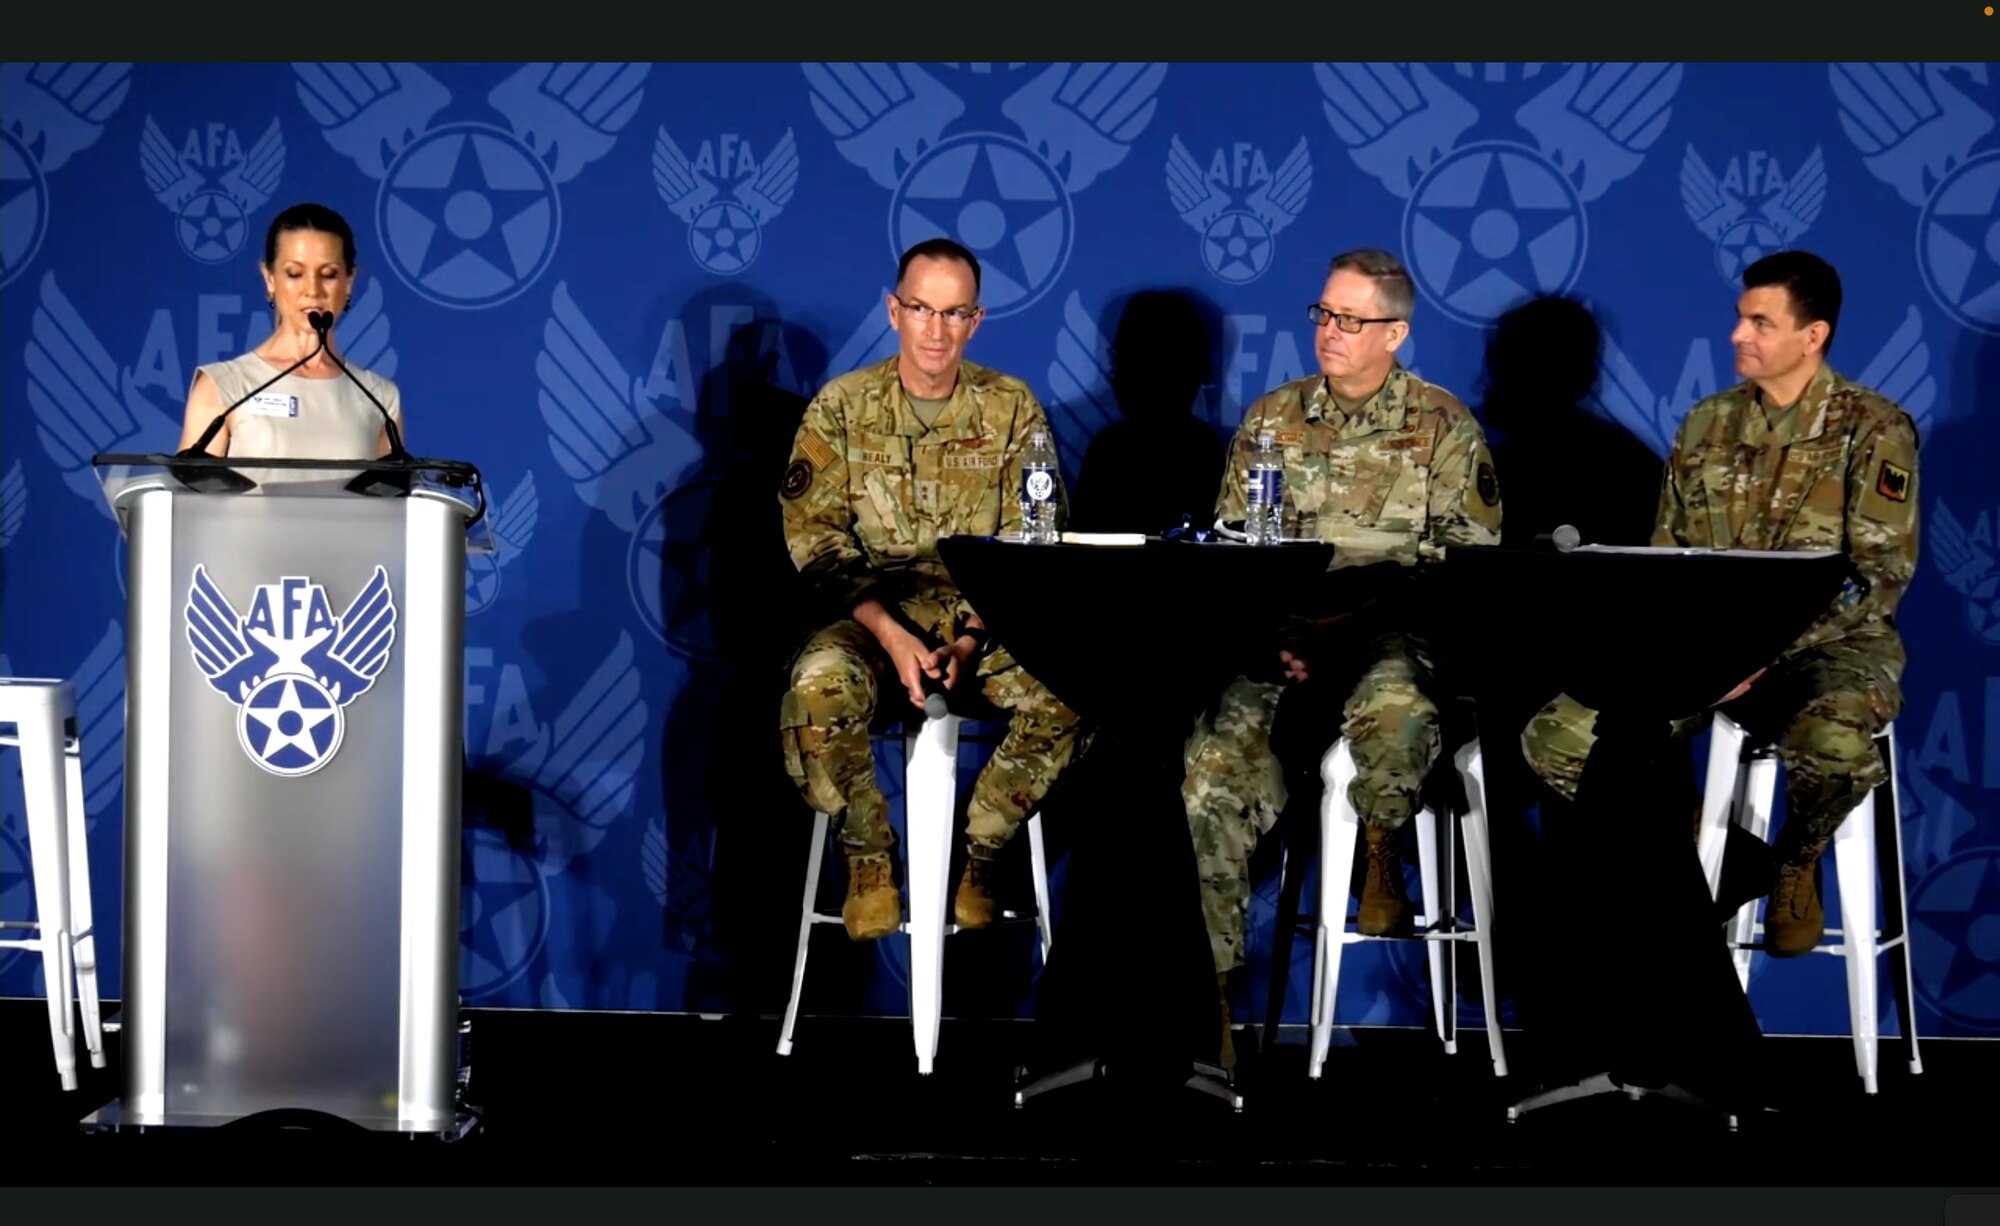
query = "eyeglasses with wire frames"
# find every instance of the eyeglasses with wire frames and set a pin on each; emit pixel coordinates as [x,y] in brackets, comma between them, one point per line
[954,317]
[1346,323]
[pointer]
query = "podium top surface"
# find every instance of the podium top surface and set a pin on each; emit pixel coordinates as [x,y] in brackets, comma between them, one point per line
[454,482]
[1122,630]
[1642,629]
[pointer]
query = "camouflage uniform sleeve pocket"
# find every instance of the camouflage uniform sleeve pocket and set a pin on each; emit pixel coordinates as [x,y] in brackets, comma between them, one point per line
[1890,492]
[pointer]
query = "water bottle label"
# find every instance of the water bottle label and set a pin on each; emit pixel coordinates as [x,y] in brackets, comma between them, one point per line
[1040,485]
[1267,488]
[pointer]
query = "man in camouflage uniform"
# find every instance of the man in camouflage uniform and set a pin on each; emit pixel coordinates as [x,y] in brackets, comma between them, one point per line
[1794,457]
[889,459]
[1379,462]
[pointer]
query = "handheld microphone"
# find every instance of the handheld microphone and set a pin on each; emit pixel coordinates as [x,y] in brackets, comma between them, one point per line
[935,706]
[200,447]
[321,321]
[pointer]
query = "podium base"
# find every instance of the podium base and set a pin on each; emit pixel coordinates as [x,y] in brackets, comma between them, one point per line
[113,1117]
[1605,1083]
[1210,1079]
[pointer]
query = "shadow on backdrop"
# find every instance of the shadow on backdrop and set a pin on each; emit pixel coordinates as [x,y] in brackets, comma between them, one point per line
[1159,461]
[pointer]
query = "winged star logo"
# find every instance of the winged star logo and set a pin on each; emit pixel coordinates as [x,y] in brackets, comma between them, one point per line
[469,213]
[210,185]
[1917,129]
[1900,370]
[290,666]
[1965,556]
[620,440]
[1007,198]
[1493,221]
[84,402]
[1753,209]
[1957,966]
[54,111]
[725,195]
[580,771]
[514,516]
[1237,239]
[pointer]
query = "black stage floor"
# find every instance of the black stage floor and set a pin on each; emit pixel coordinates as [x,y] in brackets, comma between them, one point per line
[573,1098]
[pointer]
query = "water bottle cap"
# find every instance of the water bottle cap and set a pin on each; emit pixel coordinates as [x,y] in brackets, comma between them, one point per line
[1264,440]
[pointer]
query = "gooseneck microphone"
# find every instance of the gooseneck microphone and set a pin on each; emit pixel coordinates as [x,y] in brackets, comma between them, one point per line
[200,447]
[321,321]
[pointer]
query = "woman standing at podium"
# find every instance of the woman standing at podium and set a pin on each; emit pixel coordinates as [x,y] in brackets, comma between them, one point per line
[314,410]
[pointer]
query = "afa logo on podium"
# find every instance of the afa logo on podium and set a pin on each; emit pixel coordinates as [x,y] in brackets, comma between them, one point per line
[1008,198]
[290,666]
[469,213]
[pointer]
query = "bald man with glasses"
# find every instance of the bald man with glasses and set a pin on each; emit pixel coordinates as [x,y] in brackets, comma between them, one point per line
[889,459]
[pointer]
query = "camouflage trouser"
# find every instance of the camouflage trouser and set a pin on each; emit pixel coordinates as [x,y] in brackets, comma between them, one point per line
[1234,788]
[1821,708]
[837,678]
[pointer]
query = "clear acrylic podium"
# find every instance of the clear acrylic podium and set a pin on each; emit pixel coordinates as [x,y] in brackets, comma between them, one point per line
[294,733]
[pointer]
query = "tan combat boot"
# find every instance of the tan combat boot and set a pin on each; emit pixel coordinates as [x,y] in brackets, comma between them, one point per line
[873,908]
[1385,908]
[1796,920]
[973,906]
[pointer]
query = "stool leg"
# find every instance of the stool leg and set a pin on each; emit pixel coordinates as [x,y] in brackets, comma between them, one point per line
[1721,793]
[42,783]
[1039,862]
[1760,786]
[1895,900]
[1479,877]
[1432,916]
[930,793]
[83,934]
[814,860]
[1339,828]
[1294,847]
[1854,862]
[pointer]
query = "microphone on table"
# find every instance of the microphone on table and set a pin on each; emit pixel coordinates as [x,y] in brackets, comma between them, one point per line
[1565,537]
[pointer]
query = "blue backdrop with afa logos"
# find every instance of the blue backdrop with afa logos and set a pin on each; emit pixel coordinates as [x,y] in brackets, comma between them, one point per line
[611,285]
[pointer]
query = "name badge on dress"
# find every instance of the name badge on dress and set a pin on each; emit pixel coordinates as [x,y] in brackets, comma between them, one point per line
[271,404]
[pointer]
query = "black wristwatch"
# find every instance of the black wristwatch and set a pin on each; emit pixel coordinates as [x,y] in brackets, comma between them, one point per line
[979,636]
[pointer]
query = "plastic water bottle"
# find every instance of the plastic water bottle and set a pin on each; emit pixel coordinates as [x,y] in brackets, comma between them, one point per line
[1264,523]
[1040,485]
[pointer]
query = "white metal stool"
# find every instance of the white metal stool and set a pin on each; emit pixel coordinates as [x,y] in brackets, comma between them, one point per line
[40,711]
[1438,924]
[1739,787]
[930,795]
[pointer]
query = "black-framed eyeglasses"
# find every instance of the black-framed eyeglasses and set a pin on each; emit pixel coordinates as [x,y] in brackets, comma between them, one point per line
[1346,323]
[954,317]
